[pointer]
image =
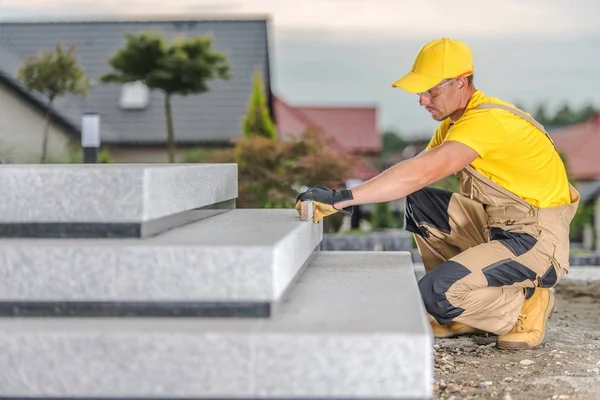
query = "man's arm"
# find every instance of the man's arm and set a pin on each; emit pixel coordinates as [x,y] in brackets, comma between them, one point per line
[413,174]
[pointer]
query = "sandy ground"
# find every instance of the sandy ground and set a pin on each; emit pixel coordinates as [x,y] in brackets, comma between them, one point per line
[566,367]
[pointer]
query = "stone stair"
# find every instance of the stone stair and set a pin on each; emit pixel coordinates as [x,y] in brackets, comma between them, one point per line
[144,281]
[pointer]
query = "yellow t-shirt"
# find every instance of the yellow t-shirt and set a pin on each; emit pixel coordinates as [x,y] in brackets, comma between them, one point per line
[512,152]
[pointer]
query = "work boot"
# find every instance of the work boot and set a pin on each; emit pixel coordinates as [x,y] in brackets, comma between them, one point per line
[453,329]
[530,330]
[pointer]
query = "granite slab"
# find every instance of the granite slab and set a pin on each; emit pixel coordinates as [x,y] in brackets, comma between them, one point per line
[235,264]
[353,327]
[111,200]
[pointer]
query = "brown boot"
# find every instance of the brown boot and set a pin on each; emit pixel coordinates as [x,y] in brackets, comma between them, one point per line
[530,330]
[454,329]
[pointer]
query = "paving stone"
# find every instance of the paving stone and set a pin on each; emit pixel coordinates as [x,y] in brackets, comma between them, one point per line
[353,326]
[111,200]
[237,263]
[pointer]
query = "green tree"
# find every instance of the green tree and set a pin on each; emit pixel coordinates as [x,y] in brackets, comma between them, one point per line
[541,115]
[257,120]
[271,170]
[182,68]
[585,113]
[382,216]
[392,142]
[53,74]
[564,116]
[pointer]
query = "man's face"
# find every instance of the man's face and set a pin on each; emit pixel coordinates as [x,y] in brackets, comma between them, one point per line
[442,100]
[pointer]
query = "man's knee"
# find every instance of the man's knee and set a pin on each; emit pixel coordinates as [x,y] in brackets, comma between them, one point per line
[434,287]
[428,206]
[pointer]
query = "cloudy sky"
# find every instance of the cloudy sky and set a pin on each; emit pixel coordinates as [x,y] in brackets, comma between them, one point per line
[349,51]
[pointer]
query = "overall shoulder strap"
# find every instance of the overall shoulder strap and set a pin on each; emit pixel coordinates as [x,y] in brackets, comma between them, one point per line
[518,113]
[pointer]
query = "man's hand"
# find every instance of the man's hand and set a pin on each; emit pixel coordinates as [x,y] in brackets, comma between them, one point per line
[324,200]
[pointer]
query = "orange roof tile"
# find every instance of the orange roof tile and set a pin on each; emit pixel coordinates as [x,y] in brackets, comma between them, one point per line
[580,144]
[354,128]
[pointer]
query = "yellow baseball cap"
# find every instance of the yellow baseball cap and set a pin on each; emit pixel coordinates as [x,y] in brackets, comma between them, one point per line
[436,61]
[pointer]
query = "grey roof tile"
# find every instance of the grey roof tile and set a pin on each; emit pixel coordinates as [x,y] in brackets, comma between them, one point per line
[9,63]
[214,116]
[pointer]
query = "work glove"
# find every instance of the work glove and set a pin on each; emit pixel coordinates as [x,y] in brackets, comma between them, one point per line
[323,200]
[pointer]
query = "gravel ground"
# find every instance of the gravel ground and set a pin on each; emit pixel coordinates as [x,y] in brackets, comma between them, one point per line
[566,367]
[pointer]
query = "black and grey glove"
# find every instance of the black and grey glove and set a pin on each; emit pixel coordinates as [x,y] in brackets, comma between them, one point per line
[324,200]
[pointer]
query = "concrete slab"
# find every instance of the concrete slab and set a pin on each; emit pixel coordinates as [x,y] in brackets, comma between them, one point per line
[237,263]
[111,200]
[352,327]
[392,240]
[582,274]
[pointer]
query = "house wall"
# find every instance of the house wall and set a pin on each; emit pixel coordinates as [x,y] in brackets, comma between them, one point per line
[22,131]
[140,154]
[147,154]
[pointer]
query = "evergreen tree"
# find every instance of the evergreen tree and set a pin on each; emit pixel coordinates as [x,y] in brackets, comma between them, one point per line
[257,121]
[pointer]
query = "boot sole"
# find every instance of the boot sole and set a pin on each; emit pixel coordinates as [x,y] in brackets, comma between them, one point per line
[532,346]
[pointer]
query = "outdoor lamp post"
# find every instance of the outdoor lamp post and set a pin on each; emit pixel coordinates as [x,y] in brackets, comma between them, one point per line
[90,137]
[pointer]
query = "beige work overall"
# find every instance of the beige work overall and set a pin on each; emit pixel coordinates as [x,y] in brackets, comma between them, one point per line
[485,250]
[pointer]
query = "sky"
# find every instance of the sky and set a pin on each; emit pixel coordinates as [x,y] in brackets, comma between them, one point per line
[348,52]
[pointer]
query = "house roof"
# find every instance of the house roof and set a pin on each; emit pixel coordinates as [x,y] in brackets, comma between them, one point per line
[353,129]
[580,143]
[215,116]
[364,170]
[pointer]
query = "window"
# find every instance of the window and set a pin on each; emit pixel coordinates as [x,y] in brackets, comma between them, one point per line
[134,96]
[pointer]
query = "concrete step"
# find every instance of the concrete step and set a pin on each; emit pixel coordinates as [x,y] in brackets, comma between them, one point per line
[235,264]
[353,327]
[390,240]
[111,200]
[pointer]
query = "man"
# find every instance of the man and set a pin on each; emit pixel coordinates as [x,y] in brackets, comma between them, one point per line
[493,252]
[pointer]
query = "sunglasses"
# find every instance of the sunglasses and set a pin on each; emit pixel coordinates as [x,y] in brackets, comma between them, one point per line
[437,89]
